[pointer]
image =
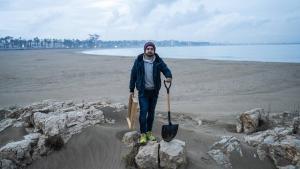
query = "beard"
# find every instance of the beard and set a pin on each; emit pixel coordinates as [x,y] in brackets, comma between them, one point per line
[150,54]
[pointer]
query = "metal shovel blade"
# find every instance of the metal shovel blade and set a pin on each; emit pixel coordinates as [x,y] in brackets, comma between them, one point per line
[168,132]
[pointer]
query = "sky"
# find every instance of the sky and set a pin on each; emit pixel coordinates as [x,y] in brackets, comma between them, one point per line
[193,20]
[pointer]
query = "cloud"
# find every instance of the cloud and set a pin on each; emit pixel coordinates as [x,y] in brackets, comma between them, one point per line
[207,20]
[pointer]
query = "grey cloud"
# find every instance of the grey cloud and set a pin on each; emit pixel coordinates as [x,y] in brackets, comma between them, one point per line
[141,9]
[211,20]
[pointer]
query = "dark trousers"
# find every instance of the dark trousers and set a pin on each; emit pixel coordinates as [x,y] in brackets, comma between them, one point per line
[147,110]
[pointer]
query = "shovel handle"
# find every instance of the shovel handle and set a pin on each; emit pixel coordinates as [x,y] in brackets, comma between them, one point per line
[168,87]
[168,98]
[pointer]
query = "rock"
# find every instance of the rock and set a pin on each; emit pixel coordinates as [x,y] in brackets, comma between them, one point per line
[154,155]
[268,136]
[68,123]
[249,121]
[51,124]
[130,137]
[172,154]
[7,164]
[20,151]
[147,157]
[78,120]
[278,144]
[5,123]
[75,118]
[221,150]
[285,151]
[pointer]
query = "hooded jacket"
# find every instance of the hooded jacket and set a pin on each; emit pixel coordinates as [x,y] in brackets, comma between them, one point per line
[137,77]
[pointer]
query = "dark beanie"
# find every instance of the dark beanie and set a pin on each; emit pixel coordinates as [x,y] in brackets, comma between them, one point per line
[149,44]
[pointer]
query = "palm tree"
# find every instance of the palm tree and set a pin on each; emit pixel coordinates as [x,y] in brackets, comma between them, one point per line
[36,42]
[7,40]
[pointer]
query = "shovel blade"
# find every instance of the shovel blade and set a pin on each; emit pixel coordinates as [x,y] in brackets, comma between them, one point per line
[168,132]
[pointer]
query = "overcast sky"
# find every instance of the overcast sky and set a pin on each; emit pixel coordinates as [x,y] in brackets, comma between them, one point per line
[197,20]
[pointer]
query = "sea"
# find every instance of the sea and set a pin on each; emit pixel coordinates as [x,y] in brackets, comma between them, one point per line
[261,53]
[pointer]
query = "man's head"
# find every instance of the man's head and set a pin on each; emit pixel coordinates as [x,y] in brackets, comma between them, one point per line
[149,48]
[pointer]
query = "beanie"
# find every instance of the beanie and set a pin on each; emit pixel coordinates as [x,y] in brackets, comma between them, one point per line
[149,44]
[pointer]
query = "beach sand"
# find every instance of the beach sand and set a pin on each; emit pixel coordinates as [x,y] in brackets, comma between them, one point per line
[206,89]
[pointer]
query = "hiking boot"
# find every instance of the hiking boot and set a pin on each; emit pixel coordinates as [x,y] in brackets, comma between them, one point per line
[150,136]
[143,139]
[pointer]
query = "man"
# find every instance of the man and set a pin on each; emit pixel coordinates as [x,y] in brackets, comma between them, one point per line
[145,76]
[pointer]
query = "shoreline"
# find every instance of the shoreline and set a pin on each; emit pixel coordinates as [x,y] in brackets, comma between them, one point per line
[197,59]
[218,53]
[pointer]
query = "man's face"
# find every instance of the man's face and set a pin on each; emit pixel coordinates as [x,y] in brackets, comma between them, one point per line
[149,51]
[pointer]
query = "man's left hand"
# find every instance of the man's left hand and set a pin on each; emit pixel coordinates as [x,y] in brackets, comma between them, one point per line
[169,80]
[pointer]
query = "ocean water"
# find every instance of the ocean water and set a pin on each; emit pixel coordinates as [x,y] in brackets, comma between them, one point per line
[261,53]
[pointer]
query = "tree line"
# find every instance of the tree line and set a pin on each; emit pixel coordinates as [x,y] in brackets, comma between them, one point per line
[9,42]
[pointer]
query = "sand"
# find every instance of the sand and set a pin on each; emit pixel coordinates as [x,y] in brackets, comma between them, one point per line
[202,87]
[207,89]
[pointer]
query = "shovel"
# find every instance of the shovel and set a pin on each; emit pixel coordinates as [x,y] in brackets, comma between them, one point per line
[168,132]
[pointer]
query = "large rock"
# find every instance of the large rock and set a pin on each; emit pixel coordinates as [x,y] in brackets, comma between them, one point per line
[67,123]
[172,154]
[268,136]
[131,137]
[285,151]
[147,156]
[20,152]
[51,124]
[78,120]
[277,144]
[249,121]
[221,150]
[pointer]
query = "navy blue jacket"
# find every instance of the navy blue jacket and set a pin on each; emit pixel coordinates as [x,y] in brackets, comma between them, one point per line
[137,78]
